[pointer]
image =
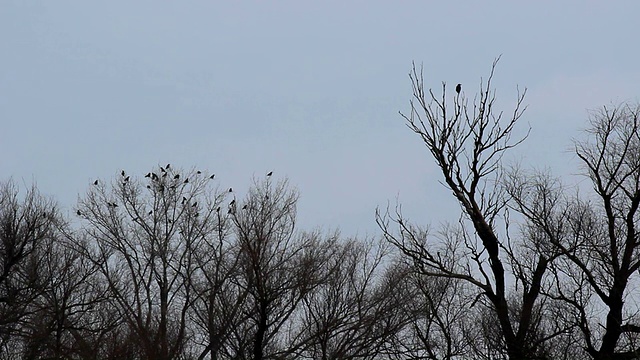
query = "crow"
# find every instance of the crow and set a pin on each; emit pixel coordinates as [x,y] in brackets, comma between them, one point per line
[198,172]
[230,189]
[458,88]
[244,207]
[232,202]
[212,176]
[150,212]
[122,173]
[168,166]
[95,182]
[177,176]
[148,175]
[186,181]
[270,173]
[218,209]
[79,213]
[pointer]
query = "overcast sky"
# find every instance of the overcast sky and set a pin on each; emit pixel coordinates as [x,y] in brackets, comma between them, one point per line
[310,90]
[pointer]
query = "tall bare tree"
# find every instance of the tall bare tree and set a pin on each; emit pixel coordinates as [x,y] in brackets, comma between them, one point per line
[467,142]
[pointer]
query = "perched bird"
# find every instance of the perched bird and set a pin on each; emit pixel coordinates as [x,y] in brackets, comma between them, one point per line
[218,209]
[148,186]
[458,88]
[198,172]
[126,179]
[95,182]
[186,181]
[244,207]
[184,200]
[79,213]
[162,169]
[168,166]
[270,173]
[212,176]
[148,175]
[232,202]
[122,173]
[230,189]
[150,212]
[176,176]
[194,204]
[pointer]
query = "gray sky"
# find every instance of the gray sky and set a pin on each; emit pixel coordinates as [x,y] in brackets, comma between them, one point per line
[310,90]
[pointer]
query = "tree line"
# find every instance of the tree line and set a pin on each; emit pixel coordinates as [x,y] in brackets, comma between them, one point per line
[171,266]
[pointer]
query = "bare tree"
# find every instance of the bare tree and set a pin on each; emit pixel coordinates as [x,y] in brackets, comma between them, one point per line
[27,223]
[467,142]
[360,307]
[597,235]
[279,265]
[142,235]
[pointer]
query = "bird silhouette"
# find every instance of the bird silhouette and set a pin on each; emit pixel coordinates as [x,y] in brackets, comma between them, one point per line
[126,179]
[184,200]
[148,175]
[244,207]
[198,172]
[79,213]
[212,176]
[230,189]
[218,209]
[122,173]
[458,88]
[162,169]
[176,176]
[148,186]
[95,182]
[270,173]
[168,166]
[150,212]
[186,181]
[232,202]
[194,204]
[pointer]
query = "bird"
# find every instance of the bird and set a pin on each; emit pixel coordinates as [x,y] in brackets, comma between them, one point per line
[230,189]
[186,181]
[168,166]
[198,172]
[218,209]
[184,200]
[232,202]
[270,173]
[244,207]
[162,169]
[212,176]
[458,88]
[194,204]
[126,179]
[150,212]
[79,213]
[122,173]
[95,182]
[176,176]
[148,175]
[148,186]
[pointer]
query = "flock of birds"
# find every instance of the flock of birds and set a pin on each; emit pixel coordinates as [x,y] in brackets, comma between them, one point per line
[160,187]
